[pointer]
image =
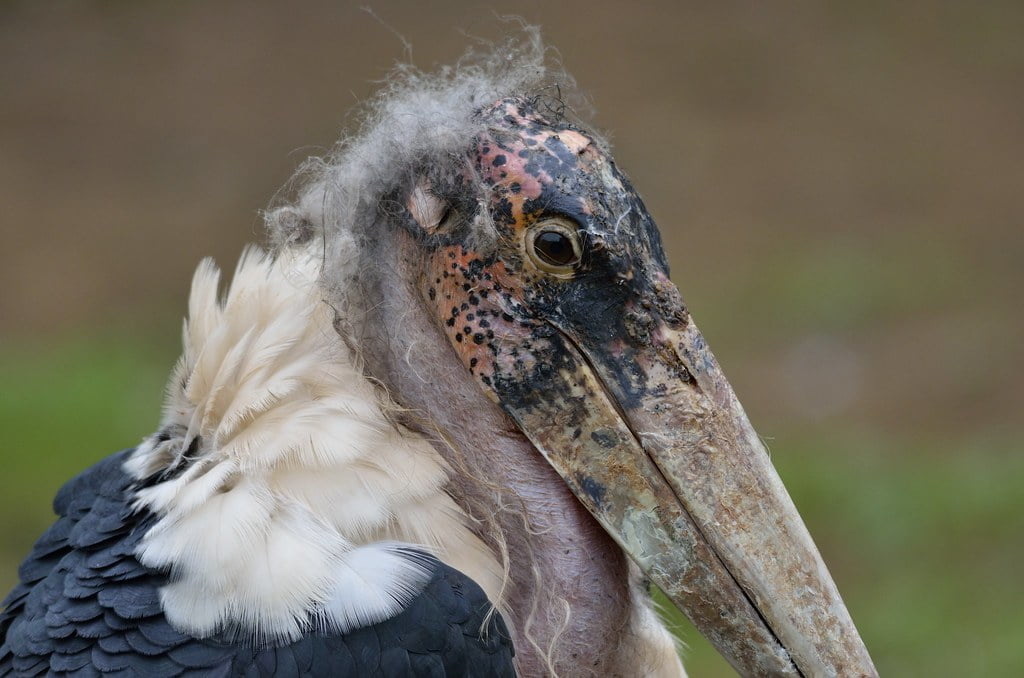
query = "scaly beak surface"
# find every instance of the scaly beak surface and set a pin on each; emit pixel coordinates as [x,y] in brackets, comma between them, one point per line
[650,437]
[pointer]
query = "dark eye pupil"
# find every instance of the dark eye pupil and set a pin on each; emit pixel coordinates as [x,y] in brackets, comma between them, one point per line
[554,248]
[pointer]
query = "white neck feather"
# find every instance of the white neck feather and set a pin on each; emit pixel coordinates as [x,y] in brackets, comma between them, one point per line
[283,489]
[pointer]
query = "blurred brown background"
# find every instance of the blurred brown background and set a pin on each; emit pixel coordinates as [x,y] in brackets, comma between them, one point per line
[838,183]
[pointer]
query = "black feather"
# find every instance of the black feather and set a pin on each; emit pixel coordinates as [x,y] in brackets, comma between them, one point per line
[287,667]
[131,601]
[266,662]
[426,666]
[87,606]
[115,643]
[117,622]
[142,645]
[197,655]
[70,662]
[110,661]
[159,632]
[30,665]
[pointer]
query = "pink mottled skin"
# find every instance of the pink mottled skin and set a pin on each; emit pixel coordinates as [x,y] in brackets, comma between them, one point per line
[572,559]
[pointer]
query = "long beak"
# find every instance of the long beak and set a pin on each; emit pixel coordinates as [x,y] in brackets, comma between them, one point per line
[651,438]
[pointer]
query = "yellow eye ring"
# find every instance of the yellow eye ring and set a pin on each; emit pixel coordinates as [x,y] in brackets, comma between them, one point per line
[553,246]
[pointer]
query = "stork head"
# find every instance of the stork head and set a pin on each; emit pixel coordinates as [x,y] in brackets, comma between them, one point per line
[535,262]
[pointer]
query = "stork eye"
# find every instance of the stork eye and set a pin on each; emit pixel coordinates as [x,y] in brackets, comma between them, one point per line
[554,246]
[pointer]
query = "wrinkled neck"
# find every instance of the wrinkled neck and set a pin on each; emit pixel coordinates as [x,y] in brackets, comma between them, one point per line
[566,594]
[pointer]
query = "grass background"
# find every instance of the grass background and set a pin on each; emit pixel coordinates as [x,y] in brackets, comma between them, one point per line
[838,185]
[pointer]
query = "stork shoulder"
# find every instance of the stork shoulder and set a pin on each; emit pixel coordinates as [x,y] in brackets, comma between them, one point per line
[86,604]
[279,479]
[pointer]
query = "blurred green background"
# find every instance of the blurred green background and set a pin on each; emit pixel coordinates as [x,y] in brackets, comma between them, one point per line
[839,185]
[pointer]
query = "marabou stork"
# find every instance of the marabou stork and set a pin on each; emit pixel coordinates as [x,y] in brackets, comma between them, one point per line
[458,408]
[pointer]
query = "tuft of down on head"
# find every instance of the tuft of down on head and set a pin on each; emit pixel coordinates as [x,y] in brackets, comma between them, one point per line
[419,123]
[286,497]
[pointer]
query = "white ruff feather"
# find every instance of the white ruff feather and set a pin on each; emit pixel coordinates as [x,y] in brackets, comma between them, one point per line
[287,493]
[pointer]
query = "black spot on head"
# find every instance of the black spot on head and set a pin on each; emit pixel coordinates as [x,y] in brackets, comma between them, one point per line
[478,338]
[458,337]
[502,212]
[476,267]
[498,161]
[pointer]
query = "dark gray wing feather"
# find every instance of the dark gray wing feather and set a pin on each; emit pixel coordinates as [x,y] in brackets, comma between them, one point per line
[86,607]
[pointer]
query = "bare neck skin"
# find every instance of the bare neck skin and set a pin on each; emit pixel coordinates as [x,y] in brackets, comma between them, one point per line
[575,601]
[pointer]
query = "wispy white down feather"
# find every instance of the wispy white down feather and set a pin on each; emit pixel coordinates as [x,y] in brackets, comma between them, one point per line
[282,488]
[417,120]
